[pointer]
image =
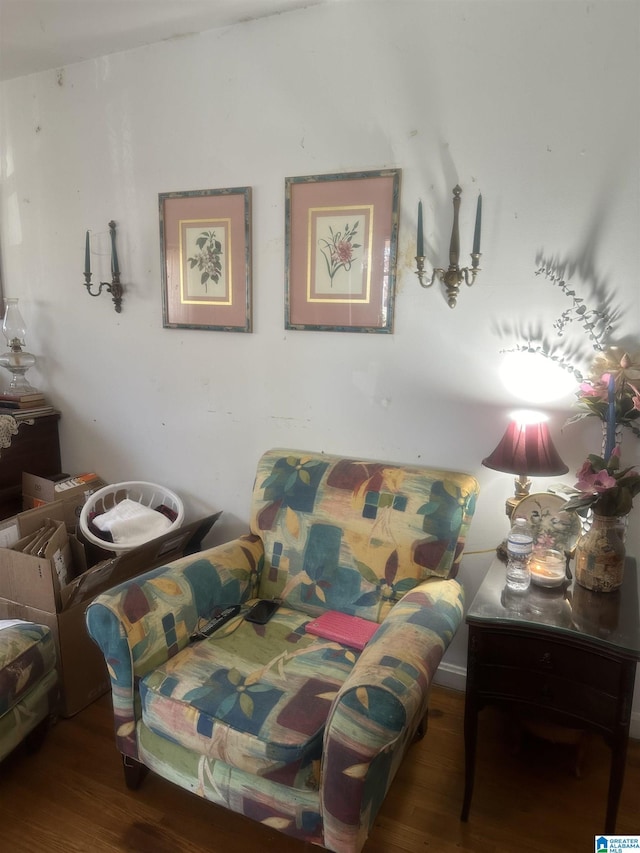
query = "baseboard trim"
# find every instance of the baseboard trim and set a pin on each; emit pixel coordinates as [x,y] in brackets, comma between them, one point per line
[455,677]
[451,675]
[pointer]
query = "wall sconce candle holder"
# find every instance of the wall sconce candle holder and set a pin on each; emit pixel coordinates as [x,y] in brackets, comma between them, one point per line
[454,275]
[113,287]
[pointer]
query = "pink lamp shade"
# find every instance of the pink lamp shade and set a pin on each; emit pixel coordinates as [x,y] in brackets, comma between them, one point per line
[526,448]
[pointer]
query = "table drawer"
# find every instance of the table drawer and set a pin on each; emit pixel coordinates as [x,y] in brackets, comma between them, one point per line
[537,655]
[583,702]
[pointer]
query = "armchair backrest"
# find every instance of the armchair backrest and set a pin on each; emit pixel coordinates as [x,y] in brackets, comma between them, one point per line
[356,535]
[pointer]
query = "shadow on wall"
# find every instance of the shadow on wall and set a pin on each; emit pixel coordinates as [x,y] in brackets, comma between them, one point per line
[598,317]
[593,304]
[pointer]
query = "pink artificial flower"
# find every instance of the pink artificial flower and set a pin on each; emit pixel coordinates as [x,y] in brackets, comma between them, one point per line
[585,471]
[594,481]
[635,398]
[595,389]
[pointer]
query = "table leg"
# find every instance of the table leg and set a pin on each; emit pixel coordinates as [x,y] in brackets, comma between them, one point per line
[616,778]
[618,743]
[471,707]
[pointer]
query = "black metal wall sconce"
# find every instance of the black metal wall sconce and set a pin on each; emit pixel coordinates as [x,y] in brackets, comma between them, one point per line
[452,277]
[113,287]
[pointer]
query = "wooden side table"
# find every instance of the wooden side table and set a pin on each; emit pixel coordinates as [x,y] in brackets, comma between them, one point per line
[35,449]
[566,655]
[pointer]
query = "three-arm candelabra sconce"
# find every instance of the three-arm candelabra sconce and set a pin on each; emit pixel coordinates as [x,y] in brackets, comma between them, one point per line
[452,277]
[113,287]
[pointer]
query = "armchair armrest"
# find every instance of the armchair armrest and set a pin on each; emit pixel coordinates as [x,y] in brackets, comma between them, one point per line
[378,709]
[145,621]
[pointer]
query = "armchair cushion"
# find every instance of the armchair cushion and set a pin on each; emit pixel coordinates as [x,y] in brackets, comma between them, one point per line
[255,696]
[352,535]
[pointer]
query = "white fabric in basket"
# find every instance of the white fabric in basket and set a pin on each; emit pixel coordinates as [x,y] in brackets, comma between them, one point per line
[131,523]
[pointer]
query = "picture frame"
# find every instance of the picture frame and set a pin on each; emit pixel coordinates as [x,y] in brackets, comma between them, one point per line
[341,251]
[205,249]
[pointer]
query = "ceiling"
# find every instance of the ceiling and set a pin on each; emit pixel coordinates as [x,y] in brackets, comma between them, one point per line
[39,35]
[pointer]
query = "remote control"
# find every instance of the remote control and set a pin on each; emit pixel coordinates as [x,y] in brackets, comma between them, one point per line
[215,623]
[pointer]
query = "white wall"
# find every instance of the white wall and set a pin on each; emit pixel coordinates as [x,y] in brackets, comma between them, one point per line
[533,103]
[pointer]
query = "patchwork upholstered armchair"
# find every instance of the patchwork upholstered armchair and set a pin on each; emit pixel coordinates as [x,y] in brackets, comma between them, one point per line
[28,683]
[301,733]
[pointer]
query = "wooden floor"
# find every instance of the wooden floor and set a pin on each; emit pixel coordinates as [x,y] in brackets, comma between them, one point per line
[70,797]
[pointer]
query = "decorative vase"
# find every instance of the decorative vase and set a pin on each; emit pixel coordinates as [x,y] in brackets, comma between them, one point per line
[600,554]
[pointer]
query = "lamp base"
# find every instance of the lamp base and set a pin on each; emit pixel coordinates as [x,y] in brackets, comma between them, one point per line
[523,487]
[17,362]
[501,552]
[510,505]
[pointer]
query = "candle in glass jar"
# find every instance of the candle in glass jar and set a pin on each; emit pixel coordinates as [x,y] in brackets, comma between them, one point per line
[547,565]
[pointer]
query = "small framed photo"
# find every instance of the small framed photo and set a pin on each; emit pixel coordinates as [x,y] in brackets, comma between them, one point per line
[205,248]
[341,247]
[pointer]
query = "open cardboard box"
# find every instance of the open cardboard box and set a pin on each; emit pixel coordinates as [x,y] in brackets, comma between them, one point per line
[30,589]
[72,491]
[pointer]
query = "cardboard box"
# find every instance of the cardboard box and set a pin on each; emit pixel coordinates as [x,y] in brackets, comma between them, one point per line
[48,489]
[38,491]
[30,589]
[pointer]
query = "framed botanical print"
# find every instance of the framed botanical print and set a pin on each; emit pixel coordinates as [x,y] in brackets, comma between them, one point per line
[205,247]
[341,247]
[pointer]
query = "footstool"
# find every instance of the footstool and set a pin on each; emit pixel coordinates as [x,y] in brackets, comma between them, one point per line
[28,683]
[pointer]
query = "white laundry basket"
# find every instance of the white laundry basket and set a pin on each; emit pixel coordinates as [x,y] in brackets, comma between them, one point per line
[148,494]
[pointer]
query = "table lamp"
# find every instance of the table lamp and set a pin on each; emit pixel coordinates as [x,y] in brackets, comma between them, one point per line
[525,449]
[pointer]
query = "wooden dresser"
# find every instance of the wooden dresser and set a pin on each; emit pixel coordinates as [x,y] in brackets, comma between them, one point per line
[35,449]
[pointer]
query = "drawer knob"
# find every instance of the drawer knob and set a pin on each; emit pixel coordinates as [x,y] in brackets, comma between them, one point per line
[546,660]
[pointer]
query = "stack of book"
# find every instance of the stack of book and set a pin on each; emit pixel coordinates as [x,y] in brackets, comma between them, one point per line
[25,406]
